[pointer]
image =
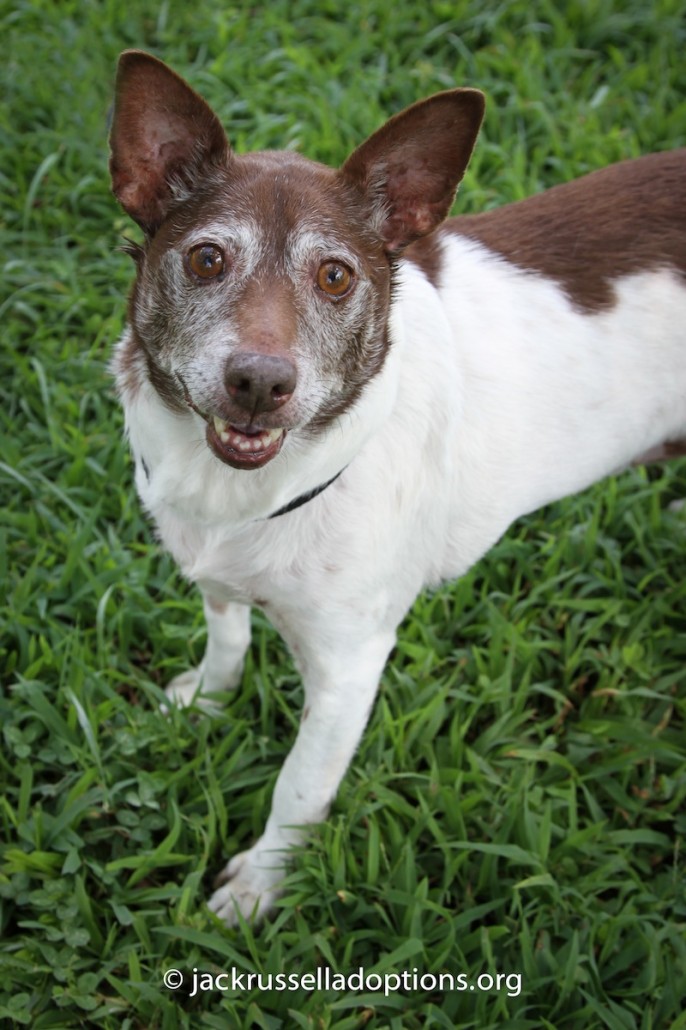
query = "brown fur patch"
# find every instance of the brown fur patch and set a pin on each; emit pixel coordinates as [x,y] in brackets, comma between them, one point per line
[588,233]
[663,452]
[427,256]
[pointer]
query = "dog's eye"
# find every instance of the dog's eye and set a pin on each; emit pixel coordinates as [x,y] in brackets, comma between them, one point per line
[206,260]
[334,279]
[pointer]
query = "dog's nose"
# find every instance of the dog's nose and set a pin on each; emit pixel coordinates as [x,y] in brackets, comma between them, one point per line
[259,382]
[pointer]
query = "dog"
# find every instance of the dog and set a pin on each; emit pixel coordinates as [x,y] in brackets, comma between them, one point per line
[336,396]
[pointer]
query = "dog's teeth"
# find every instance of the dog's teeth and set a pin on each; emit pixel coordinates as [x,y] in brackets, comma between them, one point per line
[241,441]
[221,429]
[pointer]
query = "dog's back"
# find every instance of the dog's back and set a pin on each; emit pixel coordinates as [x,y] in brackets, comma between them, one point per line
[586,234]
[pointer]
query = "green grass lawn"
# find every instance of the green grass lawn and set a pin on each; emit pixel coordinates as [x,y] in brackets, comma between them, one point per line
[518,804]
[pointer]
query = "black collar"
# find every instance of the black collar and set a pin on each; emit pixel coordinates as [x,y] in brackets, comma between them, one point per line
[304,498]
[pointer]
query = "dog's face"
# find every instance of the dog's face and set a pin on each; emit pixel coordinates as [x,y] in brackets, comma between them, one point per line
[263,290]
[257,310]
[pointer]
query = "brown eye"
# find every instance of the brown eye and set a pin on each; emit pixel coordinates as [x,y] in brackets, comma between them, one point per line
[206,261]
[334,279]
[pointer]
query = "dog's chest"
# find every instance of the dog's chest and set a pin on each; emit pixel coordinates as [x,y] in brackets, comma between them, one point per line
[246,565]
[299,575]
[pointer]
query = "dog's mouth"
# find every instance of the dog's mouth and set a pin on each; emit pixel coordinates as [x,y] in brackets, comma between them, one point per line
[243,447]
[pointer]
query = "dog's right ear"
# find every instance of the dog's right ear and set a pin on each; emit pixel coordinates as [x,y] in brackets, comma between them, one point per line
[164,138]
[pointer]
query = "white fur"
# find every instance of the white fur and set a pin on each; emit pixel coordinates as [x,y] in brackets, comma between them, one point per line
[496,397]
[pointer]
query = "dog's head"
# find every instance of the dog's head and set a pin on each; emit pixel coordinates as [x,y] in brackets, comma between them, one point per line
[263,288]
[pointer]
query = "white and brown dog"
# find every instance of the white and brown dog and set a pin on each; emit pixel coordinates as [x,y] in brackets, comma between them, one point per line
[335,397]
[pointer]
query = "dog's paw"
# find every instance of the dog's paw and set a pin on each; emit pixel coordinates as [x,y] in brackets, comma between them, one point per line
[187,689]
[250,884]
[193,686]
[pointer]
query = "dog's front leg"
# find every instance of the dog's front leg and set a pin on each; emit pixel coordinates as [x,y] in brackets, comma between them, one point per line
[228,637]
[339,692]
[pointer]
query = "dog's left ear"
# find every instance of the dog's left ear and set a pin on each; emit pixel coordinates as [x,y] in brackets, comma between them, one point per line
[411,167]
[165,139]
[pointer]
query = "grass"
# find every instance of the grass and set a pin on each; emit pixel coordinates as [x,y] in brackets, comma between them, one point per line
[518,804]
